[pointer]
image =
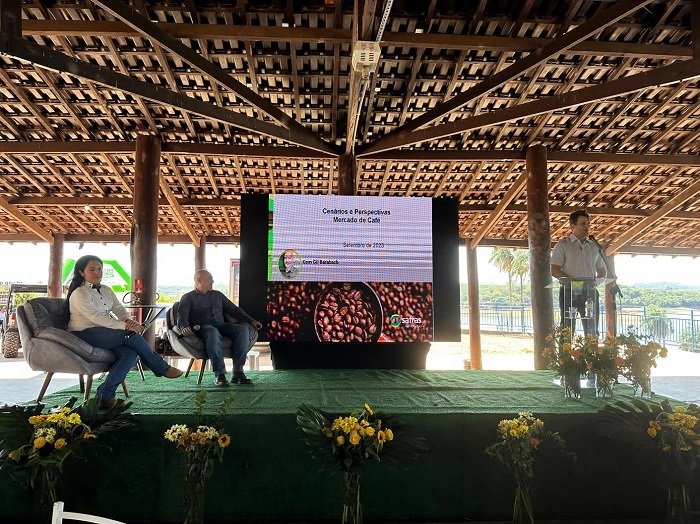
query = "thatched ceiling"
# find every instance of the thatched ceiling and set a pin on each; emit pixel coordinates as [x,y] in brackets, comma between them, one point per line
[261,96]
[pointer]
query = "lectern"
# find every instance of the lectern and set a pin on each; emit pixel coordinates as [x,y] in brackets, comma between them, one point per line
[579,297]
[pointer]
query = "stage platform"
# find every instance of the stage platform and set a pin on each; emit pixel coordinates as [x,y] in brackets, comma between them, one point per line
[268,476]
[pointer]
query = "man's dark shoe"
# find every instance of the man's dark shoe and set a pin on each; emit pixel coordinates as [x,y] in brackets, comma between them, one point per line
[220,380]
[240,378]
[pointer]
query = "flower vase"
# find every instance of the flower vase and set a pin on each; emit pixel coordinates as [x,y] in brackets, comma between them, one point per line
[522,505]
[643,385]
[678,504]
[572,385]
[49,480]
[604,385]
[194,498]
[352,507]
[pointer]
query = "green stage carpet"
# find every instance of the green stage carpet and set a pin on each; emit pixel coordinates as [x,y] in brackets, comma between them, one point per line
[268,476]
[395,391]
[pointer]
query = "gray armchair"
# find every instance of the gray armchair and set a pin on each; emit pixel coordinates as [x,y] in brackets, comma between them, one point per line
[192,347]
[48,347]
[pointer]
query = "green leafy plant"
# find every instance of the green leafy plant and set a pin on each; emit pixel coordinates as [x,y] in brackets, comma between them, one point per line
[605,361]
[201,446]
[565,354]
[347,443]
[666,438]
[34,445]
[640,355]
[520,441]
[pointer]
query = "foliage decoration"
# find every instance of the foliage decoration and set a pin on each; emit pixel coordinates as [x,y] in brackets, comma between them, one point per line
[346,443]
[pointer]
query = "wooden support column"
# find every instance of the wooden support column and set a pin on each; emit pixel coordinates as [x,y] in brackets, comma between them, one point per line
[56,266]
[144,230]
[200,256]
[347,171]
[474,319]
[539,240]
[610,303]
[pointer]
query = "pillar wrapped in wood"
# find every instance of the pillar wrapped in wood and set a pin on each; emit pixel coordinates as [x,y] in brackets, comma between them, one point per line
[144,232]
[200,256]
[56,266]
[539,239]
[474,319]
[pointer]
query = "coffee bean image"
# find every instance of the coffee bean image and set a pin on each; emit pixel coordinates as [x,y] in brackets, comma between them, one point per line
[410,301]
[289,306]
[347,312]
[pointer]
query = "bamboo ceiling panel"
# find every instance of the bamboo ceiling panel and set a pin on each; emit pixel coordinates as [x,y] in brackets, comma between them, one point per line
[462,89]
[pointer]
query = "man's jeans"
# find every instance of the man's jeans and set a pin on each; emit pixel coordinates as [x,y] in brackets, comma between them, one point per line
[212,334]
[126,350]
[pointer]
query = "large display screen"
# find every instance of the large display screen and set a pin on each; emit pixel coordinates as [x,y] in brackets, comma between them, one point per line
[350,269]
[339,270]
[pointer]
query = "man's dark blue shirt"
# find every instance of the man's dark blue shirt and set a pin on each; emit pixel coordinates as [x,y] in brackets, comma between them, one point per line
[207,308]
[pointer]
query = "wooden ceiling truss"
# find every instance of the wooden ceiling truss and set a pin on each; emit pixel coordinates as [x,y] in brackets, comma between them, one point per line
[260,96]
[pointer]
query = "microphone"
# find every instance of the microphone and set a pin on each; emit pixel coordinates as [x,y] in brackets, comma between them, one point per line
[593,239]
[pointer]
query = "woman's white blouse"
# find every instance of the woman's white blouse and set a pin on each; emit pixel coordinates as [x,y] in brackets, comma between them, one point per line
[92,308]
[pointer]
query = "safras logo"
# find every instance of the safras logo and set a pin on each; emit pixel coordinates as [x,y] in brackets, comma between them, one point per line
[396,320]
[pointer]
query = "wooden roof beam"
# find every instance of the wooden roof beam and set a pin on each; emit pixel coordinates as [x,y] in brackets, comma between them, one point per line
[502,206]
[183,148]
[118,239]
[639,229]
[179,212]
[676,72]
[31,226]
[160,37]
[55,61]
[555,47]
[247,33]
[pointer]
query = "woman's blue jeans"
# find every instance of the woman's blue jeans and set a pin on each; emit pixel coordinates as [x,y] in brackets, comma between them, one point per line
[126,350]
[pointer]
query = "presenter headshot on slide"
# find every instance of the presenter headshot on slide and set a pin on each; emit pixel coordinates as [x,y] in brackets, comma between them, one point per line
[289,263]
[576,257]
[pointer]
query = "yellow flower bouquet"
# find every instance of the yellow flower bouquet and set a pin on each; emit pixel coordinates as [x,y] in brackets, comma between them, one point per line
[201,446]
[517,449]
[347,443]
[565,353]
[604,360]
[666,438]
[639,359]
[38,443]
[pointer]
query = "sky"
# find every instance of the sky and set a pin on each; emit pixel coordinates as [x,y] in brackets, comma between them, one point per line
[28,263]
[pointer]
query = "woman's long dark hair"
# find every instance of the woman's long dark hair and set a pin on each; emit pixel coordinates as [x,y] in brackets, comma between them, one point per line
[78,279]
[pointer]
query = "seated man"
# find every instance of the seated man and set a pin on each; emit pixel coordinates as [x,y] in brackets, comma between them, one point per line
[202,309]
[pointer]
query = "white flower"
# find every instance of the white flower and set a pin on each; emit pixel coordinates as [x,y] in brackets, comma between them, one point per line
[49,434]
[210,432]
[175,432]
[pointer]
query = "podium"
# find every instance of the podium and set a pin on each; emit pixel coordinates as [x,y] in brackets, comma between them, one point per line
[579,298]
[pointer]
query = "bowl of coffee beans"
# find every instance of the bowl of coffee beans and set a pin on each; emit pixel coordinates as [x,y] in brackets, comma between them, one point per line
[348,312]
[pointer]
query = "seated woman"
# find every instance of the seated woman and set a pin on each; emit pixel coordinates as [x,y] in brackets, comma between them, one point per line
[90,319]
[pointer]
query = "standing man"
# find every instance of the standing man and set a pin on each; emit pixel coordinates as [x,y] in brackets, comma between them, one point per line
[205,307]
[578,257]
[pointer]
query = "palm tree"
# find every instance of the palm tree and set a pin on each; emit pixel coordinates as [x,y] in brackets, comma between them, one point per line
[503,259]
[521,267]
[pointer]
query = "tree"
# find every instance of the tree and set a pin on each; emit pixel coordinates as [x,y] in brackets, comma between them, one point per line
[503,259]
[660,327]
[521,268]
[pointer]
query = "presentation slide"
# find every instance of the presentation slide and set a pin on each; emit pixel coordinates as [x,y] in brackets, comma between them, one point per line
[350,269]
